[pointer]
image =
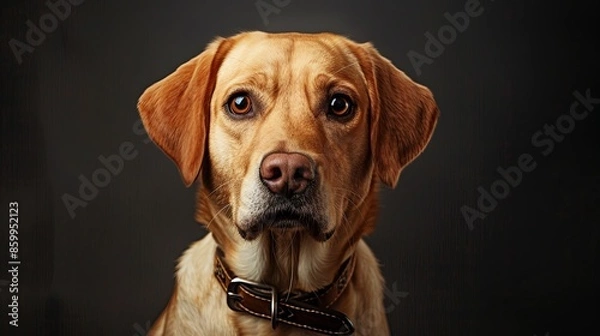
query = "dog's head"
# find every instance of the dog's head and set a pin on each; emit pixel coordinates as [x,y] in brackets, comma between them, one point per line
[291,131]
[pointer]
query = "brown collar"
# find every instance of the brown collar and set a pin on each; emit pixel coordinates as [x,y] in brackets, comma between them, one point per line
[303,310]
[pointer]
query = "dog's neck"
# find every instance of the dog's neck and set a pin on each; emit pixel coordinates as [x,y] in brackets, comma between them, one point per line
[288,260]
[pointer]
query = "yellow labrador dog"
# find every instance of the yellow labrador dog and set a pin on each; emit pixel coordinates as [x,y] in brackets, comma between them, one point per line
[290,136]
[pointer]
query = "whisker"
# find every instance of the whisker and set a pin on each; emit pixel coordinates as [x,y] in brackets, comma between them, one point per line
[350,200]
[289,291]
[346,190]
[222,185]
[346,66]
[273,255]
[345,224]
[238,59]
[216,214]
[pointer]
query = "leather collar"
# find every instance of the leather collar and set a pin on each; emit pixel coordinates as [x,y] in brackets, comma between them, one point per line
[306,310]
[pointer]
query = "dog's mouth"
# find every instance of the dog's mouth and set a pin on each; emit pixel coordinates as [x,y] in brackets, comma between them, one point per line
[279,219]
[287,219]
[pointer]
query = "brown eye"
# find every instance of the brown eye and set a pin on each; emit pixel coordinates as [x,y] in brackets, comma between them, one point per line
[240,104]
[340,106]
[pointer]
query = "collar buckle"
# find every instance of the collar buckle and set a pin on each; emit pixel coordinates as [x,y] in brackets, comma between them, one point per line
[233,296]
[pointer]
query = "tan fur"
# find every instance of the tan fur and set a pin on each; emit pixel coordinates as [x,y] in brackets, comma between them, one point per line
[290,77]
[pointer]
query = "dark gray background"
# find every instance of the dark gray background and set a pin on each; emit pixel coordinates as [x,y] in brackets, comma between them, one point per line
[530,267]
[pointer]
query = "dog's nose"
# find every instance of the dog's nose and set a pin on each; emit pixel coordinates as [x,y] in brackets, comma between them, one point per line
[286,173]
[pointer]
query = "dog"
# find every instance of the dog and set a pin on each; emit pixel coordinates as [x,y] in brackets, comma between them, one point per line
[290,137]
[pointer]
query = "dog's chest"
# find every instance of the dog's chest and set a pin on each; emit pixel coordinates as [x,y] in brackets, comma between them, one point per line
[250,325]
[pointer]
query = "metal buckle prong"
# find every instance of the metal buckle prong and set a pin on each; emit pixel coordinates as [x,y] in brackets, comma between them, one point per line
[233,296]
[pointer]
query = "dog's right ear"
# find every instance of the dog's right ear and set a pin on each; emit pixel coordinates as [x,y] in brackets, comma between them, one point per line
[176,110]
[403,114]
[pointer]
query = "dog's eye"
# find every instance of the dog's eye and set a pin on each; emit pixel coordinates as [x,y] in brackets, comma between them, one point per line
[239,104]
[340,106]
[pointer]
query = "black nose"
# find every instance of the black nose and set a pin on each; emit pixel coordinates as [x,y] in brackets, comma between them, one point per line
[286,173]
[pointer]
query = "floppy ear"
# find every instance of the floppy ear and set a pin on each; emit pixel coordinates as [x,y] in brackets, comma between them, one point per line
[176,110]
[403,115]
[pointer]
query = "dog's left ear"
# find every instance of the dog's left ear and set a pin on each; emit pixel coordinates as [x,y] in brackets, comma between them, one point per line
[176,110]
[403,115]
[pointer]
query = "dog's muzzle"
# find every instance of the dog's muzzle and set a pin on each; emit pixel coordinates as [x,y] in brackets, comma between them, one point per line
[286,199]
